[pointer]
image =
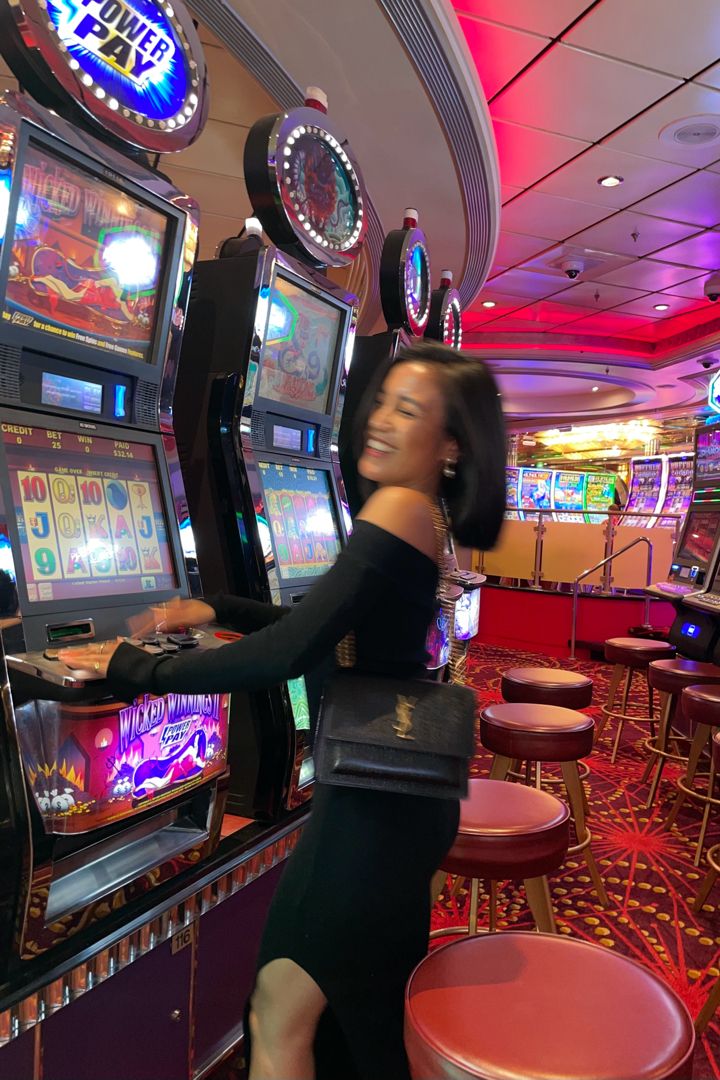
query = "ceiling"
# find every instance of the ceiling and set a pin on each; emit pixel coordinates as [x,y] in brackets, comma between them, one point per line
[578,91]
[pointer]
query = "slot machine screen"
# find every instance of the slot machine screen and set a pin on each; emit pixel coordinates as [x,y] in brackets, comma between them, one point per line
[512,479]
[89,513]
[535,485]
[707,459]
[86,259]
[699,537]
[299,511]
[568,491]
[301,344]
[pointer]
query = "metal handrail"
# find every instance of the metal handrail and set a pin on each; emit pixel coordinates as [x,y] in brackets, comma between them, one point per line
[597,566]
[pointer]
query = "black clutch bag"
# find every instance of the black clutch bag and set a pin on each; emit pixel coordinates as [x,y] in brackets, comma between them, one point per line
[408,736]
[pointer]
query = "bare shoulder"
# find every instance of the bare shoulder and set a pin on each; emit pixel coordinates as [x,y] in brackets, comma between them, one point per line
[404,513]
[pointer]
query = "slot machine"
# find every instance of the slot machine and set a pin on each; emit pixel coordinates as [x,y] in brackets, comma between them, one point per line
[534,492]
[445,318]
[406,301]
[512,487]
[678,494]
[111,798]
[568,495]
[701,528]
[648,484]
[259,395]
[599,494]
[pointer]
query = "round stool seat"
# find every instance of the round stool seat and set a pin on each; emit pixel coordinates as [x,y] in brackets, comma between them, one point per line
[547,686]
[508,830]
[516,1005]
[536,732]
[637,652]
[672,676]
[701,703]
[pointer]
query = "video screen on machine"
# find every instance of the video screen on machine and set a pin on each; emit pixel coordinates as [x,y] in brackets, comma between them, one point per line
[86,259]
[600,490]
[535,489]
[707,461]
[699,538]
[512,479]
[568,491]
[301,342]
[89,513]
[299,509]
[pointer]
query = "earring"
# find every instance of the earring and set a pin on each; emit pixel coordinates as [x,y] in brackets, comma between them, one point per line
[449,470]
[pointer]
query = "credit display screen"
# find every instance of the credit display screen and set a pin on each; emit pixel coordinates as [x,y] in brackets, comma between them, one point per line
[301,342]
[66,393]
[299,510]
[90,514]
[86,259]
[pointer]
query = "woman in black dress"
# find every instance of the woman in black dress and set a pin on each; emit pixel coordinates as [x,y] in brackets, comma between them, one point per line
[350,917]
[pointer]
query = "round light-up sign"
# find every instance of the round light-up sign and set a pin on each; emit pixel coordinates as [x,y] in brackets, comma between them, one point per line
[305,186]
[445,320]
[133,68]
[405,278]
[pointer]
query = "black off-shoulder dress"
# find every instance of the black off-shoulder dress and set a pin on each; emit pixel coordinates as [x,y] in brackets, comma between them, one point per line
[353,905]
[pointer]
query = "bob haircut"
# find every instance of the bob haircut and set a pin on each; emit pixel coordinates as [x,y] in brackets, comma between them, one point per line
[475,496]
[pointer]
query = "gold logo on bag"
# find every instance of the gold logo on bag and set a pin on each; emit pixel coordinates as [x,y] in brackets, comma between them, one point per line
[403,716]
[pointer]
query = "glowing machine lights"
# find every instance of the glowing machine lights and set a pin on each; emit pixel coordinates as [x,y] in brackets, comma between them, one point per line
[713,389]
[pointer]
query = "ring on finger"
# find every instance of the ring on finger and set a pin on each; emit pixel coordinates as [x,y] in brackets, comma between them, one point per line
[102,647]
[96,666]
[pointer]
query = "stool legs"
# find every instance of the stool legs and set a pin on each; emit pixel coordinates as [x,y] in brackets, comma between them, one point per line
[500,767]
[621,718]
[537,891]
[584,836]
[659,753]
[709,879]
[540,904]
[701,738]
[607,708]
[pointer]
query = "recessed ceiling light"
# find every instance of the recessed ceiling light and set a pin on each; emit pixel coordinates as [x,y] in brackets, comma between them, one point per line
[661,307]
[595,389]
[610,181]
[488,303]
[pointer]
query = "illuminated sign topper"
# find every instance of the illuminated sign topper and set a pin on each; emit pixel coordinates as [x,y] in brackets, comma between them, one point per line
[133,67]
[714,392]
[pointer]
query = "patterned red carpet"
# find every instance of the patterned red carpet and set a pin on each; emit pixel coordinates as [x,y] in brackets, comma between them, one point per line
[648,871]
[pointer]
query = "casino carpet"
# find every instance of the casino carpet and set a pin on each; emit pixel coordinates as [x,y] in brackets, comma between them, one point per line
[648,871]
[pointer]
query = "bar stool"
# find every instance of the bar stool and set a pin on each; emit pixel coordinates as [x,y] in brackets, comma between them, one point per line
[629,655]
[671,677]
[545,733]
[547,686]
[517,1005]
[701,708]
[508,831]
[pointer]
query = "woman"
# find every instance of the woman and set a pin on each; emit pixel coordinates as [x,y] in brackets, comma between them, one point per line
[350,917]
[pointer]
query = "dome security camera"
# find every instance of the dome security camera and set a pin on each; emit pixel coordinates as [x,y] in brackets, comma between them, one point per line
[706,362]
[572,267]
[712,288]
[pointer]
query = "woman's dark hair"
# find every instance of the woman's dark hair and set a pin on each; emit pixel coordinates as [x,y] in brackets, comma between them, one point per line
[475,496]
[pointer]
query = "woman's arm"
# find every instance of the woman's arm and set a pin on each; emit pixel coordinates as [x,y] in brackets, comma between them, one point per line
[279,651]
[245,616]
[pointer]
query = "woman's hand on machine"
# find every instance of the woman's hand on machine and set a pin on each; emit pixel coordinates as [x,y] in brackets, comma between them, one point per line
[175,615]
[95,658]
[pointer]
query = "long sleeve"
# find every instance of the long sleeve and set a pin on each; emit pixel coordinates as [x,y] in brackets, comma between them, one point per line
[245,616]
[287,647]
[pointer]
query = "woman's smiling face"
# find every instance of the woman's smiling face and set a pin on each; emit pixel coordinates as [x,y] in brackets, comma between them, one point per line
[406,443]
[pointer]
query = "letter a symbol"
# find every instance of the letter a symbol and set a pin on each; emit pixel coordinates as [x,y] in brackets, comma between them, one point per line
[122,532]
[76,563]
